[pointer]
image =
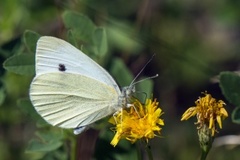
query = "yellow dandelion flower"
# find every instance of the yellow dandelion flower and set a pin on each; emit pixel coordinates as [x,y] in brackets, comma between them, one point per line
[208,111]
[137,122]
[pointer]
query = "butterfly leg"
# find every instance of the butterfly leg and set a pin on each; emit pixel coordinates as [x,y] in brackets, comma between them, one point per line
[131,105]
[115,115]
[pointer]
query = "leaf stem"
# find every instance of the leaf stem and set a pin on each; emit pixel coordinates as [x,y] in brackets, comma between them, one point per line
[148,150]
[73,148]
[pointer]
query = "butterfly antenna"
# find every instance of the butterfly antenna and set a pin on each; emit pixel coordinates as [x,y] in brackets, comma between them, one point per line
[142,70]
[145,79]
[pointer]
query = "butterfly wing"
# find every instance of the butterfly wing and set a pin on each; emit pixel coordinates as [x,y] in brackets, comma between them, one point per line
[70,90]
[52,53]
[70,100]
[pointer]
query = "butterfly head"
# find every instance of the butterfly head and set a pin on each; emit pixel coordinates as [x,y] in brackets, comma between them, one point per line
[128,91]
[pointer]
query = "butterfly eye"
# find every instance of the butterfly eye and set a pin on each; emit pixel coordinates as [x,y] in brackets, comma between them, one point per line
[61,67]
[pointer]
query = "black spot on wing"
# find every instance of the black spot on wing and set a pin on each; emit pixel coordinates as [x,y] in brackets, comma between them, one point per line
[62,67]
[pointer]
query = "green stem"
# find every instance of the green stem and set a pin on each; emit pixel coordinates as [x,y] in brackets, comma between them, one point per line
[139,156]
[206,149]
[149,152]
[73,144]
[204,155]
[205,140]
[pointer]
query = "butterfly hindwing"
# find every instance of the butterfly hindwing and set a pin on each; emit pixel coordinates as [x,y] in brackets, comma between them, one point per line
[63,101]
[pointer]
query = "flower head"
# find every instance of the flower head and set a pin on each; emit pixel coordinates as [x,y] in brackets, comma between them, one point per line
[208,111]
[137,122]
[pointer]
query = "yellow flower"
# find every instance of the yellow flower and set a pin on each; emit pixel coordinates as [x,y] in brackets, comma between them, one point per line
[208,111]
[137,122]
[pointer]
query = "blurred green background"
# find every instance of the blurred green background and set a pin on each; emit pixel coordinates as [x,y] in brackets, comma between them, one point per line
[193,41]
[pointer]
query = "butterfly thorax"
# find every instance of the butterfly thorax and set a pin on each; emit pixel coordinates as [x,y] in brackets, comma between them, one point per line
[125,98]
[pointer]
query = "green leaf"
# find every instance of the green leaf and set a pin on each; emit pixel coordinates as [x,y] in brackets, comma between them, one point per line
[120,36]
[27,108]
[236,115]
[35,155]
[48,141]
[71,39]
[121,73]
[100,42]
[230,86]
[50,136]
[144,90]
[81,26]
[30,39]
[37,146]
[21,64]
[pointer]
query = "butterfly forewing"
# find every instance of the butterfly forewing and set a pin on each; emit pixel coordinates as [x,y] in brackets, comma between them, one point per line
[53,52]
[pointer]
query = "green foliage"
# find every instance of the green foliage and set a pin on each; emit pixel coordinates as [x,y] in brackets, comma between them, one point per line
[81,26]
[26,108]
[145,89]
[121,36]
[118,70]
[100,42]
[30,39]
[230,86]
[236,115]
[93,40]
[20,64]
[46,142]
[81,30]
[23,63]
[2,95]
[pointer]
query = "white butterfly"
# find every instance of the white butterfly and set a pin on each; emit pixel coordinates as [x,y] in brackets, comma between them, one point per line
[70,90]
